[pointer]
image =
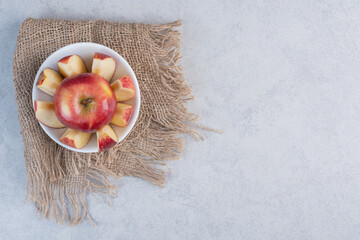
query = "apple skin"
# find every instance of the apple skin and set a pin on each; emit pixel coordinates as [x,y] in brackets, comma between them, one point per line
[44,113]
[74,138]
[106,138]
[103,65]
[68,141]
[49,80]
[71,65]
[66,59]
[123,88]
[85,102]
[122,115]
[106,143]
[101,56]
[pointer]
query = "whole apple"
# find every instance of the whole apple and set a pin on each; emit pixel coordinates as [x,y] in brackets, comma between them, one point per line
[85,102]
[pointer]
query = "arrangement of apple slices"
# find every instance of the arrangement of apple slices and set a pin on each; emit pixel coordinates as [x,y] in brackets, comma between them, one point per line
[85,102]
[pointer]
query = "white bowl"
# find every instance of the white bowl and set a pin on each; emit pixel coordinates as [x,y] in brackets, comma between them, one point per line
[86,51]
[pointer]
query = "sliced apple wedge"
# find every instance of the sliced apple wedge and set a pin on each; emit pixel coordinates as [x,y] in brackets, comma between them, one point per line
[49,80]
[74,138]
[44,113]
[71,65]
[103,65]
[106,138]
[122,115]
[123,88]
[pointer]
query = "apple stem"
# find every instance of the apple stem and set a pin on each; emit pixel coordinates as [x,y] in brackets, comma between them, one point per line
[85,102]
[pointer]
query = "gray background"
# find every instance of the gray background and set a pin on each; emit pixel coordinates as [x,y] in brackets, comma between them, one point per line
[280,78]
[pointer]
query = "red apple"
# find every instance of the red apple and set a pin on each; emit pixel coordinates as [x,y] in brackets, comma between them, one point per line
[85,102]
[49,80]
[122,115]
[71,65]
[44,113]
[123,88]
[106,138]
[75,138]
[103,65]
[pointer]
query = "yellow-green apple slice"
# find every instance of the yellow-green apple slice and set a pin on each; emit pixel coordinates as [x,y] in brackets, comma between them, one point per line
[122,115]
[44,113]
[124,89]
[75,138]
[106,138]
[103,65]
[71,65]
[49,80]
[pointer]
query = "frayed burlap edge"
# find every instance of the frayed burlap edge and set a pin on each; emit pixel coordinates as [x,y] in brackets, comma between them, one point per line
[59,179]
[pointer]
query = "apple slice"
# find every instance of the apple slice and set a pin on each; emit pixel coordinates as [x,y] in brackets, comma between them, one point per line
[49,80]
[71,65]
[103,65]
[106,138]
[124,89]
[75,138]
[44,113]
[122,115]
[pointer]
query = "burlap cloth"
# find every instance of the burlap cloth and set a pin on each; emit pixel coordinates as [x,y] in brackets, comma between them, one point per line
[59,180]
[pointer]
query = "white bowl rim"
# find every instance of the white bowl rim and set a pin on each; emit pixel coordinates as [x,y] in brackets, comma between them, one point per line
[137,98]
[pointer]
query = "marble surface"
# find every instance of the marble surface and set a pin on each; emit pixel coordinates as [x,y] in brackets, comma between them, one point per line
[281,79]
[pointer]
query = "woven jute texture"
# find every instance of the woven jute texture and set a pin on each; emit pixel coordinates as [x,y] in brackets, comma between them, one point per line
[60,180]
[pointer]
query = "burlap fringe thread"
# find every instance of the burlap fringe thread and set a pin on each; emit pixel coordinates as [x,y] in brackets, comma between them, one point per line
[66,203]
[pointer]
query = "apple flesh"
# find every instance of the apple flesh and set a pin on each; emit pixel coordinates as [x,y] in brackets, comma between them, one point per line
[103,65]
[85,102]
[71,65]
[49,80]
[74,138]
[106,138]
[122,115]
[123,88]
[44,113]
